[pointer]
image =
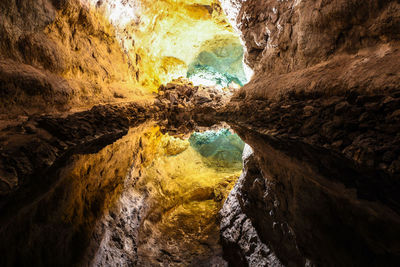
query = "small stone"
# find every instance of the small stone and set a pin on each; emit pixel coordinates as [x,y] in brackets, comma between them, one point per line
[118,95]
[362,99]
[388,99]
[395,166]
[157,102]
[364,117]
[372,107]
[30,128]
[388,156]
[395,114]
[308,110]
[383,166]
[338,144]
[342,107]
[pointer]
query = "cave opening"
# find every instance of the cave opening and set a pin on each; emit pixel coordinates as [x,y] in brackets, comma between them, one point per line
[201,61]
[189,55]
[196,58]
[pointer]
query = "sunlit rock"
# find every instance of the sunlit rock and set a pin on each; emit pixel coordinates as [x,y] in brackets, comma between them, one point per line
[111,50]
[166,54]
[62,55]
[174,146]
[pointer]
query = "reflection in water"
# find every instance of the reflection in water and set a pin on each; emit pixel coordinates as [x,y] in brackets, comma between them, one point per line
[152,198]
[187,183]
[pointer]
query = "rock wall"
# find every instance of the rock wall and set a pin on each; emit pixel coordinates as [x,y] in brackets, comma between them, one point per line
[55,55]
[63,54]
[321,116]
[284,36]
[35,145]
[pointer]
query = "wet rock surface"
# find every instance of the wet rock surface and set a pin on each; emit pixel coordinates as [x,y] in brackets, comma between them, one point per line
[309,159]
[56,159]
[184,106]
[324,178]
[361,128]
[290,201]
[242,245]
[186,191]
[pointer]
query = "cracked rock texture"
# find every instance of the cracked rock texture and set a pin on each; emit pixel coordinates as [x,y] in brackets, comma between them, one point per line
[284,36]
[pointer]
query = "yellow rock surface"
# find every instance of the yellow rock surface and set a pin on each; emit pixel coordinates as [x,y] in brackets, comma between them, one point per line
[86,52]
[185,195]
[167,35]
[95,64]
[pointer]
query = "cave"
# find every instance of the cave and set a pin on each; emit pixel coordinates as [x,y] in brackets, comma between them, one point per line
[199,133]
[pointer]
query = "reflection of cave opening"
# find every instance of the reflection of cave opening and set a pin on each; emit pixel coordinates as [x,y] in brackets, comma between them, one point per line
[187,185]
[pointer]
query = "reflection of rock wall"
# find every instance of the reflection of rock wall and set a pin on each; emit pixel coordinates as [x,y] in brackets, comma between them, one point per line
[242,245]
[56,222]
[115,237]
[184,196]
[77,195]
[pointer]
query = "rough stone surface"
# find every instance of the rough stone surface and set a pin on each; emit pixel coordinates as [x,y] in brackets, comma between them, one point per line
[184,106]
[283,36]
[57,55]
[240,239]
[115,237]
